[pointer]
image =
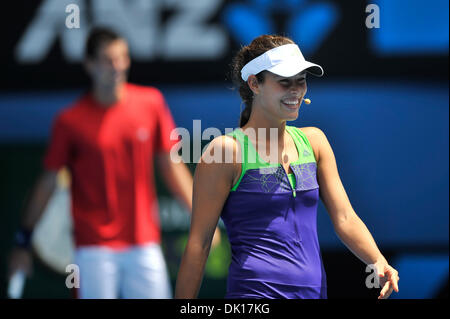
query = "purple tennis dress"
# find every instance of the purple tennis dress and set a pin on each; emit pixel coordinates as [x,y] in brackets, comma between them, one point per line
[270,219]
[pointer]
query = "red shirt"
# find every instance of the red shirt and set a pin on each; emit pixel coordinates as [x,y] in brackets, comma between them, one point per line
[110,152]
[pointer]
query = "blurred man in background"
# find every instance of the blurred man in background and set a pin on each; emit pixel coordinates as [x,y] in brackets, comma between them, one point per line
[109,139]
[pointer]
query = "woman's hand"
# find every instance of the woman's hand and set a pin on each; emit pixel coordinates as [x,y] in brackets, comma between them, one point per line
[388,279]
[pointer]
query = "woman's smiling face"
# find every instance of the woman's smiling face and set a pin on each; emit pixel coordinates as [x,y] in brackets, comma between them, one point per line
[281,97]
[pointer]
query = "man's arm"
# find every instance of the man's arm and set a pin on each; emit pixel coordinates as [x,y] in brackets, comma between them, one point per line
[178,178]
[180,182]
[42,191]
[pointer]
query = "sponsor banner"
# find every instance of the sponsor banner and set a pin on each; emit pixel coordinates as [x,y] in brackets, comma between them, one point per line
[181,41]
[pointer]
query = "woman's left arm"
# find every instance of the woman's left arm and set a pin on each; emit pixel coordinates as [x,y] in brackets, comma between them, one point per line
[348,226]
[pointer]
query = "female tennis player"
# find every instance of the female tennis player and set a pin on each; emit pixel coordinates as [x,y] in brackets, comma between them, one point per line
[269,203]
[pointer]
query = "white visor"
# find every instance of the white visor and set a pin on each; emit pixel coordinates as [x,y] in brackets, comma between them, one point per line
[286,60]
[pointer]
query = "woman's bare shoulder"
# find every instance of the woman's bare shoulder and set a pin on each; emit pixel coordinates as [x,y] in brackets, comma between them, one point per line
[312,131]
[220,160]
[222,151]
[227,144]
[315,137]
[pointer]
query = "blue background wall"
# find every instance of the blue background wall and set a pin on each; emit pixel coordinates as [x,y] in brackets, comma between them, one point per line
[383,104]
[390,140]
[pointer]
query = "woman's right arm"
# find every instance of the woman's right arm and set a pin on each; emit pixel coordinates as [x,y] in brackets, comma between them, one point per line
[212,184]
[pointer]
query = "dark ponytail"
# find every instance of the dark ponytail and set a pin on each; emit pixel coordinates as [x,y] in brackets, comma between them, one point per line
[245,115]
[247,53]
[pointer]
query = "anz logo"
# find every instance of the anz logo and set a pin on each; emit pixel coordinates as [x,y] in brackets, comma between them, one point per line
[155,29]
[306,22]
[173,29]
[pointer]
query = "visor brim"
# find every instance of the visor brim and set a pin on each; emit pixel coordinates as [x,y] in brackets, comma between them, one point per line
[290,69]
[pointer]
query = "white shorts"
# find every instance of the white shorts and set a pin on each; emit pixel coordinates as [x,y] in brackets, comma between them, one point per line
[137,273]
